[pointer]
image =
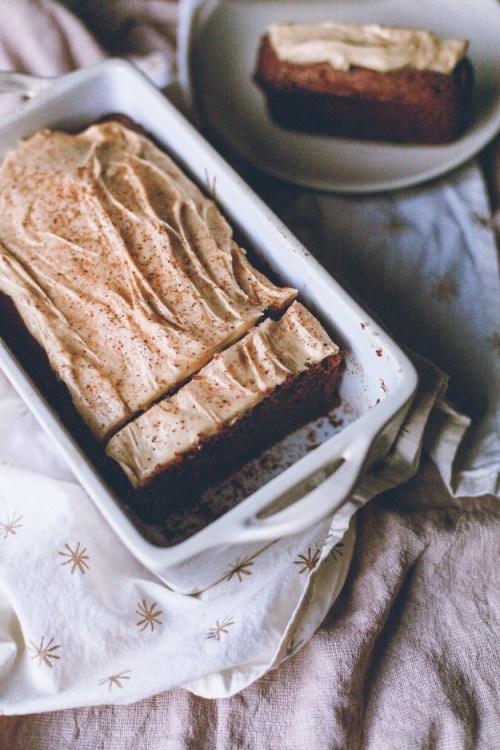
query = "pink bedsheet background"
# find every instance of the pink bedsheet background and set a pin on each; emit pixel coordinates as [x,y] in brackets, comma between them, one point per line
[408,657]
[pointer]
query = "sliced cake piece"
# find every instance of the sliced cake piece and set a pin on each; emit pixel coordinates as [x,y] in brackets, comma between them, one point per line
[125,273]
[280,375]
[366,81]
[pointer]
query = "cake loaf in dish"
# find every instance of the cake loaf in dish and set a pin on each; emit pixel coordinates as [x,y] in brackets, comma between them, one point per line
[123,281]
[366,81]
[121,268]
[282,374]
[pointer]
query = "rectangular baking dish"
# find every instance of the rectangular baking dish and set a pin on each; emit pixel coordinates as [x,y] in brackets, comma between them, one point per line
[376,387]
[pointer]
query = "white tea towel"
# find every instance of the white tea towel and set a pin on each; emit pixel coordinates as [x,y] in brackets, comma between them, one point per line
[84,624]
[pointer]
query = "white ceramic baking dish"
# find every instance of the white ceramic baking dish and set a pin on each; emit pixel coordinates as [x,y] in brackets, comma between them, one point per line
[375,390]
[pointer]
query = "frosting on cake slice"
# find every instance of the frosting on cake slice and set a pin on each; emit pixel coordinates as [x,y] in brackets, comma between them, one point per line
[225,390]
[372,46]
[126,274]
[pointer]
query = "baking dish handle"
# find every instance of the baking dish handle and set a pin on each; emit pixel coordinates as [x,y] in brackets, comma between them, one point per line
[327,495]
[23,84]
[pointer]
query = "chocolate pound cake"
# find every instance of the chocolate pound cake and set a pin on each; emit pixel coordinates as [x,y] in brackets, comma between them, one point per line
[370,82]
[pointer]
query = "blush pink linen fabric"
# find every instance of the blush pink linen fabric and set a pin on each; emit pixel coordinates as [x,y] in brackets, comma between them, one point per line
[408,657]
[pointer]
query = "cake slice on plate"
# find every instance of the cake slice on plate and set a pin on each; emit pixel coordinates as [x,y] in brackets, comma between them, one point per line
[367,81]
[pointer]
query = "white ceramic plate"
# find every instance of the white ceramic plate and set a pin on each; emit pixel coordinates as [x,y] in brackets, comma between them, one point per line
[222,57]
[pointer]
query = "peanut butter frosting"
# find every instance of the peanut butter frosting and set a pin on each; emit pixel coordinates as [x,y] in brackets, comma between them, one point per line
[380,48]
[121,268]
[223,391]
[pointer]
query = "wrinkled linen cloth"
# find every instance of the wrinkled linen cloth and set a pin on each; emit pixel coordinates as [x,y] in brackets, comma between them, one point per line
[407,655]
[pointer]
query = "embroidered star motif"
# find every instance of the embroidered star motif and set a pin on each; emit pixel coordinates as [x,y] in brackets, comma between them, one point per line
[149,615]
[336,550]
[116,679]
[482,220]
[240,569]
[396,224]
[446,288]
[307,562]
[220,627]
[76,557]
[494,341]
[10,526]
[44,653]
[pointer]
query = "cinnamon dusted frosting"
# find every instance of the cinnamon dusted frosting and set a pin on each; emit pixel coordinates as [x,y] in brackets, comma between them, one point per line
[380,48]
[121,268]
[223,391]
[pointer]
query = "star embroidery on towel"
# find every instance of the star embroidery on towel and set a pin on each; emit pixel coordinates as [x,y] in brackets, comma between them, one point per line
[482,220]
[494,341]
[396,224]
[44,653]
[76,557]
[115,679]
[239,569]
[149,615]
[336,550]
[446,288]
[220,627]
[10,526]
[307,562]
